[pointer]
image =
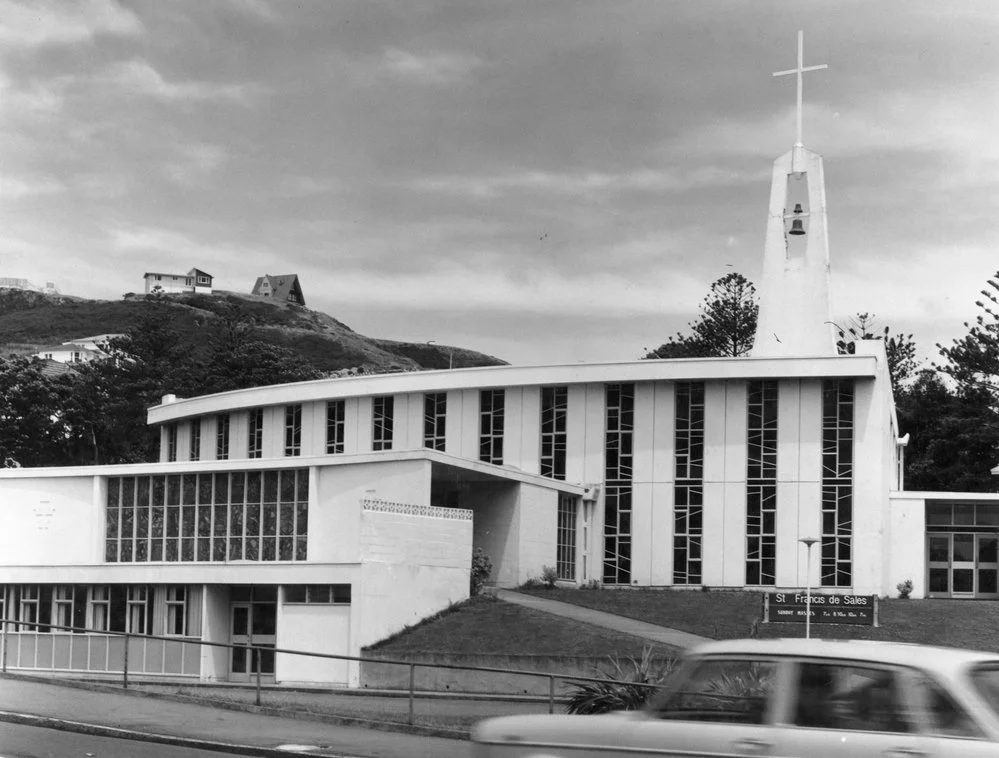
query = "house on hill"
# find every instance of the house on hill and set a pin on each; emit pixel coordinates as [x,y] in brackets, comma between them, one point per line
[24,284]
[284,287]
[194,280]
[80,350]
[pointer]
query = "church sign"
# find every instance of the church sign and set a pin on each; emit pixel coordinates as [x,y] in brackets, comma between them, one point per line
[861,610]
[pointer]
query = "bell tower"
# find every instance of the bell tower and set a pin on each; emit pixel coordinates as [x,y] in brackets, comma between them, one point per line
[794,318]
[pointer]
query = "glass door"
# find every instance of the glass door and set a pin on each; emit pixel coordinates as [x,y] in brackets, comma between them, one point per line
[962,566]
[938,561]
[251,624]
[239,634]
[987,578]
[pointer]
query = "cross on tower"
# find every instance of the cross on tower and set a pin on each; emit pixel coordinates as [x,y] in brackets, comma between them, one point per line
[799,71]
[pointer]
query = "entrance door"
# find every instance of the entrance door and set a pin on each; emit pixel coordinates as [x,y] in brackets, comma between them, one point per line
[962,571]
[251,624]
[963,565]
[987,577]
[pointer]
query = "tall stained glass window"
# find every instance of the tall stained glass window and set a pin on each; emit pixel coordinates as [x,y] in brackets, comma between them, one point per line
[491,423]
[554,414]
[761,484]
[336,416]
[293,429]
[837,482]
[382,422]
[618,453]
[565,559]
[255,434]
[194,451]
[222,436]
[688,487]
[434,420]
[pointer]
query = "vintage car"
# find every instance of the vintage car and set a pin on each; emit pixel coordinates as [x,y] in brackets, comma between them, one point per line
[792,697]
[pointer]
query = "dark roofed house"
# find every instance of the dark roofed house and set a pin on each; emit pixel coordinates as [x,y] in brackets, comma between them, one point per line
[284,287]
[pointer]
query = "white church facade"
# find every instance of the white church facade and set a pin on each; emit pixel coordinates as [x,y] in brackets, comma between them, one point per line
[326,515]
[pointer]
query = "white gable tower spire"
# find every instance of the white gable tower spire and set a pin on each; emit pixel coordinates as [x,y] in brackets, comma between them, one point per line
[794,304]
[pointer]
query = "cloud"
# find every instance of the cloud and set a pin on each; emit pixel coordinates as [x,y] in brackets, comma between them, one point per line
[37,22]
[194,162]
[179,246]
[432,68]
[956,121]
[139,77]
[542,292]
[35,102]
[588,184]
[306,186]
[14,188]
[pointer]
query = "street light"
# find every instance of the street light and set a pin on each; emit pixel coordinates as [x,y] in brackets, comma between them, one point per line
[808,542]
[450,354]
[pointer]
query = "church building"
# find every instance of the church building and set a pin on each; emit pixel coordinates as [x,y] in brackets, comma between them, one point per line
[326,515]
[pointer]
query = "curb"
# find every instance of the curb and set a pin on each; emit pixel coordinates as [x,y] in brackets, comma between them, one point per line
[45,722]
[263,710]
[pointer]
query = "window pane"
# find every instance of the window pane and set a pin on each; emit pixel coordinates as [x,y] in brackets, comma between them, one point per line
[728,691]
[832,696]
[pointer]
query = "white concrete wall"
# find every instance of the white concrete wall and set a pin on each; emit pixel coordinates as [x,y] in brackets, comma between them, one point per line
[497,530]
[870,501]
[215,628]
[335,505]
[410,435]
[50,521]
[413,566]
[315,629]
[907,549]
[538,526]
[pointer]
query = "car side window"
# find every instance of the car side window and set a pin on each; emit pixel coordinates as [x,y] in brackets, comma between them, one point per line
[945,717]
[732,691]
[842,696]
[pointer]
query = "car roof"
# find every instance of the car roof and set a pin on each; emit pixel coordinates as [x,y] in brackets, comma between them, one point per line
[898,653]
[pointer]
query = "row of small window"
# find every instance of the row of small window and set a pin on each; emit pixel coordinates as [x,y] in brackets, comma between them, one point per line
[554,413]
[317,594]
[172,610]
[234,516]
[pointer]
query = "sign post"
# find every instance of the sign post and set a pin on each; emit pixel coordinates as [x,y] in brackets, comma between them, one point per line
[797,607]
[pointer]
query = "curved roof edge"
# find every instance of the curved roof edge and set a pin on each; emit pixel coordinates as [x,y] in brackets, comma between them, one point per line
[512,376]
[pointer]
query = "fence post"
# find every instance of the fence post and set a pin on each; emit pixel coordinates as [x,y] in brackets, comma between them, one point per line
[256,657]
[412,687]
[551,693]
[125,665]
[3,645]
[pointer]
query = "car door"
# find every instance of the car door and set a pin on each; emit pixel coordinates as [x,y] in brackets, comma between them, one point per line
[951,730]
[722,708]
[845,709]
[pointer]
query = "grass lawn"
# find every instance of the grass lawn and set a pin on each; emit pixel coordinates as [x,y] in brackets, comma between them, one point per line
[726,615]
[487,625]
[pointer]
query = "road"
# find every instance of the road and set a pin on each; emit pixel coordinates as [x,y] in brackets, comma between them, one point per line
[18,741]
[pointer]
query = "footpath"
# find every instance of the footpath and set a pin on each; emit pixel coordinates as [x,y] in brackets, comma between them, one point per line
[248,730]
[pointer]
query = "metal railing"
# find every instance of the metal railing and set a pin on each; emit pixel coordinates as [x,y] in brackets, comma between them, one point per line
[257,652]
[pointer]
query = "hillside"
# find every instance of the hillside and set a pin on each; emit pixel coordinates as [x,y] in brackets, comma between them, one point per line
[31,320]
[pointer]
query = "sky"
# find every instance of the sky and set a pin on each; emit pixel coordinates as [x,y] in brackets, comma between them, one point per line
[543,181]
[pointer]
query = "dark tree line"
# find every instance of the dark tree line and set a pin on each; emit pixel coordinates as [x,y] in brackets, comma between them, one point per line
[949,410]
[97,413]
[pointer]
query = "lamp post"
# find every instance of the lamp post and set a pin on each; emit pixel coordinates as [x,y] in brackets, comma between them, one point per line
[808,542]
[450,354]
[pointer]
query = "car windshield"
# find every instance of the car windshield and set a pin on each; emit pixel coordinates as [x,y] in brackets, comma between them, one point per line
[986,681]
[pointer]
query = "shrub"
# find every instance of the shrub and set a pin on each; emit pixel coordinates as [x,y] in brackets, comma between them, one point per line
[482,567]
[549,577]
[625,692]
[904,589]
